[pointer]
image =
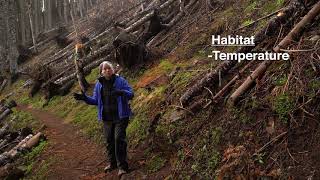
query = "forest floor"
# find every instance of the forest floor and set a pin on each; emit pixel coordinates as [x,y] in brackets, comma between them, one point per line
[76,156]
[167,142]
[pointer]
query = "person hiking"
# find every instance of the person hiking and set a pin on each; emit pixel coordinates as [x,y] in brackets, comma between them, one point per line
[112,94]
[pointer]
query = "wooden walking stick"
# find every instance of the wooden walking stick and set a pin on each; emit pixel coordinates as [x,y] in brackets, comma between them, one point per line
[79,53]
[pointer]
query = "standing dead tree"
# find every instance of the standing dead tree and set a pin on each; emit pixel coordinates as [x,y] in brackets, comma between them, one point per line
[31,27]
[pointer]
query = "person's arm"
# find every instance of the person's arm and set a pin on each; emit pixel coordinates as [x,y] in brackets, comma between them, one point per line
[127,90]
[92,100]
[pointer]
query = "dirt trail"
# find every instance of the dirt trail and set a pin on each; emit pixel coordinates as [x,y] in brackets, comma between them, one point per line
[76,157]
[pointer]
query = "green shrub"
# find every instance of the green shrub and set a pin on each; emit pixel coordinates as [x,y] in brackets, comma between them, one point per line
[283,105]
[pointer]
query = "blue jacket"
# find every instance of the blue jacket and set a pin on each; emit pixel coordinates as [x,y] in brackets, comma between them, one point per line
[123,101]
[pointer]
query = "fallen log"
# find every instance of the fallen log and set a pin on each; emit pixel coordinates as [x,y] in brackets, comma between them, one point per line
[295,32]
[4,130]
[26,144]
[33,141]
[248,82]
[3,85]
[202,103]
[106,49]
[5,114]
[129,21]
[3,143]
[5,106]
[147,17]
[170,24]
[87,69]
[96,40]
[8,156]
[51,80]
[270,29]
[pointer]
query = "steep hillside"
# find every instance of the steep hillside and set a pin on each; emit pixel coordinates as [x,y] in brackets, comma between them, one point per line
[190,121]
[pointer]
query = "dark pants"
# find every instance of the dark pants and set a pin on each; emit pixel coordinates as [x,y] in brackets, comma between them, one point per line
[116,143]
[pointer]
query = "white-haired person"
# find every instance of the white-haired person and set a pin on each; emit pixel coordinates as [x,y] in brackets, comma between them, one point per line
[111,95]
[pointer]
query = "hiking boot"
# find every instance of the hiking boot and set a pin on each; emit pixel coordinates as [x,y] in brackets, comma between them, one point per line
[122,172]
[109,168]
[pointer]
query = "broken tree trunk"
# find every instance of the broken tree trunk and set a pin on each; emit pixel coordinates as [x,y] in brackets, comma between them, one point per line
[5,109]
[4,130]
[5,114]
[87,69]
[27,143]
[81,76]
[33,141]
[248,82]
[270,29]
[3,85]
[78,64]
[99,38]
[294,33]
[202,103]
[147,17]
[106,49]
[170,24]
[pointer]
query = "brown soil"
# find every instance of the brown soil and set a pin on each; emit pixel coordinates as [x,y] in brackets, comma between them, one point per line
[75,156]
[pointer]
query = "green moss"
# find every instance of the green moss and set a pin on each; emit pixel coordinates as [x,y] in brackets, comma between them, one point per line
[228,13]
[91,78]
[314,84]
[31,156]
[261,24]
[36,102]
[85,117]
[137,129]
[21,119]
[42,171]
[251,7]
[155,163]
[280,2]
[162,130]
[247,22]
[8,89]
[217,26]
[194,45]
[205,156]
[271,6]
[62,105]
[133,75]
[283,105]
[280,81]
[181,80]
[138,126]
[30,159]
[166,65]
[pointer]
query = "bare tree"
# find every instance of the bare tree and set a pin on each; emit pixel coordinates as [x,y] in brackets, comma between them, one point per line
[31,26]
[65,10]
[21,19]
[10,9]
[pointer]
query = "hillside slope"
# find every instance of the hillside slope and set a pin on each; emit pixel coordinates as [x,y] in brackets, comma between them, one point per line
[271,131]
